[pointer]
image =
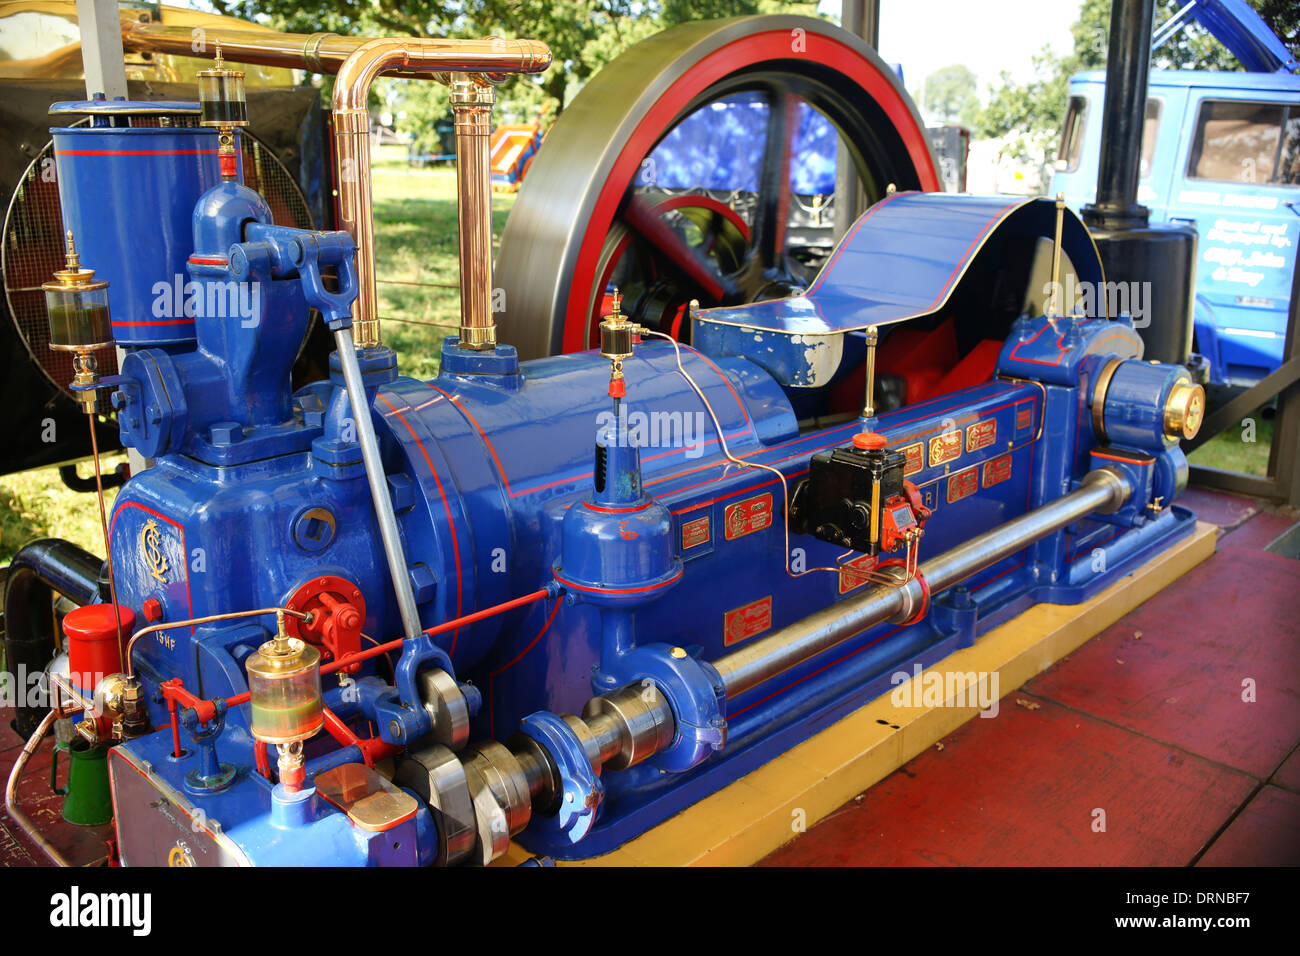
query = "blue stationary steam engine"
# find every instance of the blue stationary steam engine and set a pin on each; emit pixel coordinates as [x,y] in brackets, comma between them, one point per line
[391,621]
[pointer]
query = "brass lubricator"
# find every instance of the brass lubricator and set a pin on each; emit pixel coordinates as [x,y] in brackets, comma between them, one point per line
[77,304]
[121,699]
[225,107]
[616,339]
[285,695]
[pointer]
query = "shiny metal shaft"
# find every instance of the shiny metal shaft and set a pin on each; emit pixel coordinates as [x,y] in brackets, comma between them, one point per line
[388,530]
[1103,491]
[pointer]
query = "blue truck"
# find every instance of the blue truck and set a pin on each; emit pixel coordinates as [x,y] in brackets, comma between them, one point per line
[1220,151]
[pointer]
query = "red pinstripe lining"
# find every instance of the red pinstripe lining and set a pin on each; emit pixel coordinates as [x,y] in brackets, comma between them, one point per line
[451,521]
[492,715]
[138,152]
[843,244]
[982,233]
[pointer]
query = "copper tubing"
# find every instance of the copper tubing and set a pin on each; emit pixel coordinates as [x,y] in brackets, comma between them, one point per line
[470,66]
[493,57]
[11,794]
[208,619]
[103,524]
[471,103]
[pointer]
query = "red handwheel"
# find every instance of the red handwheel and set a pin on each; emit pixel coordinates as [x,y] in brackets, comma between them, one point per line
[694,167]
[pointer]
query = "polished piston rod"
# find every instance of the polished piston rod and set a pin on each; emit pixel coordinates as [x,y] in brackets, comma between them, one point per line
[1104,491]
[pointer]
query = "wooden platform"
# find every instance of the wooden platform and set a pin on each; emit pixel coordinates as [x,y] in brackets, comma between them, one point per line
[752,817]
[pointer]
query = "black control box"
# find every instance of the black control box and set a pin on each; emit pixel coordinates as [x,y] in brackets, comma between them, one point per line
[834,503]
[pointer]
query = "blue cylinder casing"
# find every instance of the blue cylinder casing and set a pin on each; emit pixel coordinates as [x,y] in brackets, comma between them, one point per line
[1135,404]
[158,174]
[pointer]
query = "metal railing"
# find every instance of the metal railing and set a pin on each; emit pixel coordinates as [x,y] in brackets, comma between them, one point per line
[1282,483]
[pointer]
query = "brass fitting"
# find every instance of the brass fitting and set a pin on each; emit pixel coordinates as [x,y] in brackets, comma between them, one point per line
[1184,410]
[872,337]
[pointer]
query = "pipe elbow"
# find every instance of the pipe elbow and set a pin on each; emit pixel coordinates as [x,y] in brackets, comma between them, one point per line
[363,65]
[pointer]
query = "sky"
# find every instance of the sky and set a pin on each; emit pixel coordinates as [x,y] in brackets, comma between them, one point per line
[989,37]
[926,35]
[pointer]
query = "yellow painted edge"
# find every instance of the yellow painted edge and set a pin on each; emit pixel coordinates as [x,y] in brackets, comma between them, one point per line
[753,816]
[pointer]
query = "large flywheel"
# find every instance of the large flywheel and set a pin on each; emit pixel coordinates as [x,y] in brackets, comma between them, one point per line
[700,165]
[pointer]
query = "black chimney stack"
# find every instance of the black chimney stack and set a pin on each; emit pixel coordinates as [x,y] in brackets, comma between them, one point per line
[1133,250]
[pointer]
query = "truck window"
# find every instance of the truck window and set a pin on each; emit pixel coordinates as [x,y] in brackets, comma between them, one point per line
[1071,148]
[1243,142]
[1150,130]
[1076,121]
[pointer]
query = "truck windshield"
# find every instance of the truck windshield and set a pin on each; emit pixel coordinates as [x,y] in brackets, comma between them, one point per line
[1071,147]
[1150,127]
[1245,142]
[1076,120]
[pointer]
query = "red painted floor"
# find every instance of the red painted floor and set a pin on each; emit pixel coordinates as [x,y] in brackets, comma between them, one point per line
[1169,739]
[81,845]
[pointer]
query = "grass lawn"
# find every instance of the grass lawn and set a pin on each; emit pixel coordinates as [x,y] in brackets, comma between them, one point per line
[416,254]
[415,241]
[36,504]
[1233,449]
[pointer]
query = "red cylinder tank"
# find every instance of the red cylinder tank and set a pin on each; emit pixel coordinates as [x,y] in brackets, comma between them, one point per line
[93,650]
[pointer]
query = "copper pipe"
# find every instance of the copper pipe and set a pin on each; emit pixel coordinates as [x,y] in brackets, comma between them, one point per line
[326,52]
[470,66]
[11,794]
[471,104]
[208,619]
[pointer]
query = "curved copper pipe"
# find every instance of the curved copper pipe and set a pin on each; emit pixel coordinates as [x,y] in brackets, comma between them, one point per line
[327,52]
[11,794]
[471,103]
[471,67]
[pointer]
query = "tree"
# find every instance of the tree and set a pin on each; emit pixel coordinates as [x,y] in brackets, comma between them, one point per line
[949,94]
[583,35]
[1035,110]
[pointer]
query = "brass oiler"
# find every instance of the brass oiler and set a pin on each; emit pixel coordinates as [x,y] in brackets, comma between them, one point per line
[616,334]
[120,699]
[1184,410]
[285,696]
[77,305]
[284,689]
[225,107]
